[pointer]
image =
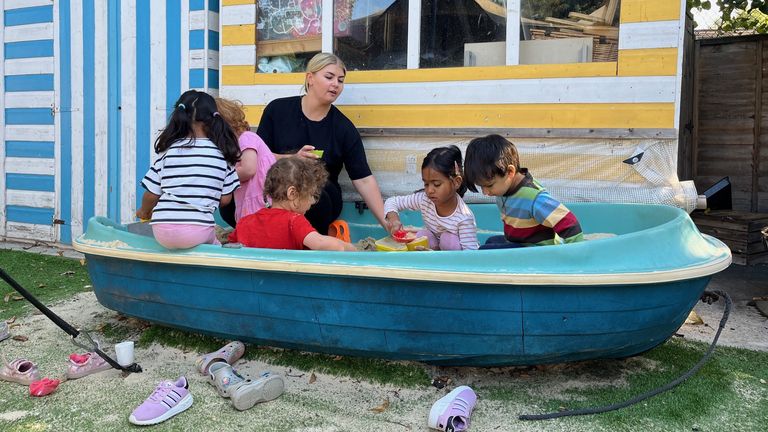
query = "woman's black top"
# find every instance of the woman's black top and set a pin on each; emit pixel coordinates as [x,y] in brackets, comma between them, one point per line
[286,129]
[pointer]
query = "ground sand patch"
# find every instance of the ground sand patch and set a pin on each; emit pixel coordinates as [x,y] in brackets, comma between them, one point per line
[328,403]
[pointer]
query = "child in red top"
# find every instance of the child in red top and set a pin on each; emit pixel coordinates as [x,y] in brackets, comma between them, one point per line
[293,183]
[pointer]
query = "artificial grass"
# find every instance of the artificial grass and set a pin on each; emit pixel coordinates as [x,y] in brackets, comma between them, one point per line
[48,278]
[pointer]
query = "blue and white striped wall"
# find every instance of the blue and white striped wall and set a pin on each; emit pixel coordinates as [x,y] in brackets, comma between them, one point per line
[87,85]
[204,45]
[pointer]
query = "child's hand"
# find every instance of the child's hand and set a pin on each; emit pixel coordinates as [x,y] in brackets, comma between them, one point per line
[143,215]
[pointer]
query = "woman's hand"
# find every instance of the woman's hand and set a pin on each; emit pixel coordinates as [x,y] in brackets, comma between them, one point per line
[393,222]
[306,152]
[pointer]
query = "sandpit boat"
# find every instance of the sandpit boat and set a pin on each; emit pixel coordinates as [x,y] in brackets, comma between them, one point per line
[612,297]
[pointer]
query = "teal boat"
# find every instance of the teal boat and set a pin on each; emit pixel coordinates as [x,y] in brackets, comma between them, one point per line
[618,295]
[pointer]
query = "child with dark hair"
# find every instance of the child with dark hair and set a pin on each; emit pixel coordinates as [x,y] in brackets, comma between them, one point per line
[194,174]
[449,223]
[293,184]
[531,215]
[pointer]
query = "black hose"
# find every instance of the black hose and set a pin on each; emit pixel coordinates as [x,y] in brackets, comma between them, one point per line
[134,368]
[708,297]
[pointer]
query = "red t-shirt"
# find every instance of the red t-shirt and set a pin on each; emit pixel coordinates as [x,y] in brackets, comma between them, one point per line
[272,228]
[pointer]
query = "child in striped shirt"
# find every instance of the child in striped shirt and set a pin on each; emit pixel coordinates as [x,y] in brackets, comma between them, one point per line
[531,215]
[194,174]
[449,223]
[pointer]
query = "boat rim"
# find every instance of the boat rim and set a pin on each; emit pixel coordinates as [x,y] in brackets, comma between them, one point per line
[404,273]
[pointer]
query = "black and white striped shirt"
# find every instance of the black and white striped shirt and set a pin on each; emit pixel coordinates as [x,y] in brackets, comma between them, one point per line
[190,178]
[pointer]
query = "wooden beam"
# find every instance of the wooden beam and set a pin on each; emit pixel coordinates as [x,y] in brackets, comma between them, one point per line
[585,17]
[758,127]
[610,11]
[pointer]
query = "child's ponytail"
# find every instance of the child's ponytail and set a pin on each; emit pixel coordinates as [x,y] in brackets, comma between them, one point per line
[179,122]
[199,106]
[447,161]
[224,137]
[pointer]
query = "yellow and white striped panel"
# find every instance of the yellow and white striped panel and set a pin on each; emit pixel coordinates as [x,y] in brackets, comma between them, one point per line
[238,35]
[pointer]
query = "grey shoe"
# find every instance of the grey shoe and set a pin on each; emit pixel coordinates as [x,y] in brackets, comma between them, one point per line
[225,378]
[268,387]
[5,333]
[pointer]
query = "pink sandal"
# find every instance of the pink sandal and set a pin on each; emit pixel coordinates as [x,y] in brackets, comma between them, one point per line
[229,353]
[81,365]
[20,371]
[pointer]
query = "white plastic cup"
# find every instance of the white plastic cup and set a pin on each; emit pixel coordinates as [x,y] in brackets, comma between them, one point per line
[124,353]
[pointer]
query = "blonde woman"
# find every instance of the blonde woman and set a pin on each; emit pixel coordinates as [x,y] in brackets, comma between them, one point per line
[298,126]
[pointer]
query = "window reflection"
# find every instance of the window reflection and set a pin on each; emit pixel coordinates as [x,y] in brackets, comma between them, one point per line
[287,34]
[569,31]
[371,34]
[452,30]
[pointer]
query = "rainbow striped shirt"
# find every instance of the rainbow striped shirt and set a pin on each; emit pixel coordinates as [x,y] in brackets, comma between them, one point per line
[532,216]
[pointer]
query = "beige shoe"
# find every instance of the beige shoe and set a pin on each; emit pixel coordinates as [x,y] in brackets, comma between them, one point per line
[264,389]
[20,371]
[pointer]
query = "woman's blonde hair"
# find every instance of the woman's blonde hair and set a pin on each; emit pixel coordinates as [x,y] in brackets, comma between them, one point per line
[306,175]
[321,60]
[232,113]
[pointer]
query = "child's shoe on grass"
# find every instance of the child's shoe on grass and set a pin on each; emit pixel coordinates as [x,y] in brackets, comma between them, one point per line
[229,354]
[20,371]
[452,411]
[43,387]
[225,378]
[168,399]
[89,363]
[5,333]
[264,389]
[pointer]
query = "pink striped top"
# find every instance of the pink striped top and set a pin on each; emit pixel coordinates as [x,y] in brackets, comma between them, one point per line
[461,222]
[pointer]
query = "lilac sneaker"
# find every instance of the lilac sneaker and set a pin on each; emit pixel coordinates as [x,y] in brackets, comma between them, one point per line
[451,412]
[168,399]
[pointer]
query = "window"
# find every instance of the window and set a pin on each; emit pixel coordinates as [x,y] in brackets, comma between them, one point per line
[451,29]
[569,31]
[399,34]
[371,34]
[288,33]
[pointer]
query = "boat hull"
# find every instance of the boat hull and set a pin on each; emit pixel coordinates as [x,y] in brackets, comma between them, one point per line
[435,322]
[613,297]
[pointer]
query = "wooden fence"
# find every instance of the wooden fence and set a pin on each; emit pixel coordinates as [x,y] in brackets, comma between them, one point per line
[730,119]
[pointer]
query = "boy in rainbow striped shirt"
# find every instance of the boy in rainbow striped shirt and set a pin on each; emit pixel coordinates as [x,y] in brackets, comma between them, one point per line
[532,217]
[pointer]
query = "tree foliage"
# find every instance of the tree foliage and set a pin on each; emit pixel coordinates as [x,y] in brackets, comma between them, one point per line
[737,15]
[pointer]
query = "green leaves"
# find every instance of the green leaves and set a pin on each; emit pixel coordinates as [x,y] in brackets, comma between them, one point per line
[737,15]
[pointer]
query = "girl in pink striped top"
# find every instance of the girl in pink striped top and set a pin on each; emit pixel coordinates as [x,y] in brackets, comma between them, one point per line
[449,224]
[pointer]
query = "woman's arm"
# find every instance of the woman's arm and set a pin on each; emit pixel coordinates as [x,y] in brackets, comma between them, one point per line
[368,188]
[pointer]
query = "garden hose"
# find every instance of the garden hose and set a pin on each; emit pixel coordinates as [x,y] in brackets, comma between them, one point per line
[89,344]
[708,297]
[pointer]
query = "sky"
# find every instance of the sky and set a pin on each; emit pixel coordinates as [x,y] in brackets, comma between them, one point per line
[705,18]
